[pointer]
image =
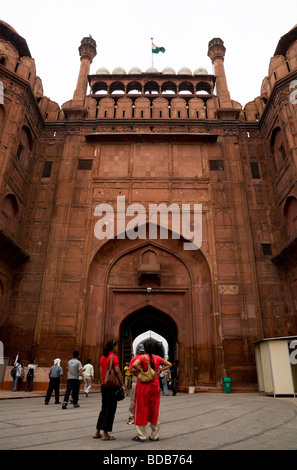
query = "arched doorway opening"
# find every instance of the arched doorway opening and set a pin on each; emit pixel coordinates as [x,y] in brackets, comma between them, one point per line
[160,342]
[143,320]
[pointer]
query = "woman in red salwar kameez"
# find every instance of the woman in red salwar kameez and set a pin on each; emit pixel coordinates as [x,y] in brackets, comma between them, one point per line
[147,396]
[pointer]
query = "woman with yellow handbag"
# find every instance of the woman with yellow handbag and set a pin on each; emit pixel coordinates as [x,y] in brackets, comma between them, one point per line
[147,394]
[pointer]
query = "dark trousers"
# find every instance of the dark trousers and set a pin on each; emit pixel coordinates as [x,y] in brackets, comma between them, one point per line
[174,386]
[108,409]
[72,386]
[29,384]
[54,385]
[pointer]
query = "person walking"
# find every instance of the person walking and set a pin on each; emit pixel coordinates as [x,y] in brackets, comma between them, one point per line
[74,367]
[140,350]
[165,382]
[147,395]
[54,384]
[88,371]
[128,377]
[109,399]
[19,374]
[30,376]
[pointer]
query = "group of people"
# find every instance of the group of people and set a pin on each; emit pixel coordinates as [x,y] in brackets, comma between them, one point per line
[145,397]
[18,375]
[76,373]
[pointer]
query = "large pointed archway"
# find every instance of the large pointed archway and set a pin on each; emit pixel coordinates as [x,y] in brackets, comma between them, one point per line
[138,285]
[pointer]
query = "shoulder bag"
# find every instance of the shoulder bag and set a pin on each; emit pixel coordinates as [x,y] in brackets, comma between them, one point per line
[148,376]
[111,379]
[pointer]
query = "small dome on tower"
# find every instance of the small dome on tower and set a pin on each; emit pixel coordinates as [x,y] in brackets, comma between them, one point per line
[201,71]
[119,71]
[135,70]
[152,70]
[168,71]
[102,71]
[184,71]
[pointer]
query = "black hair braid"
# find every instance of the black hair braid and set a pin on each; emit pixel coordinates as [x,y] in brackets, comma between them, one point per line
[149,348]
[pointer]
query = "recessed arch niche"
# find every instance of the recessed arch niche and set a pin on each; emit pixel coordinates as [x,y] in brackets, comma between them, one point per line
[180,301]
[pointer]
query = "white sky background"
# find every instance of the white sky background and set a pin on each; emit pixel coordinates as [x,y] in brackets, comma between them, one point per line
[122,30]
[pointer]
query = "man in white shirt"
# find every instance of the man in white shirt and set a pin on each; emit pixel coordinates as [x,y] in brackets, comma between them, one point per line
[17,380]
[88,371]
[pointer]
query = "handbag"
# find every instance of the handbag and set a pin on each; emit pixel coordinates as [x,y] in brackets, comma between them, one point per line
[120,394]
[148,376]
[111,379]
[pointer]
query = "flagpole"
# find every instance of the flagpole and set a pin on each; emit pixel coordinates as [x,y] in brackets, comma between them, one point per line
[152,52]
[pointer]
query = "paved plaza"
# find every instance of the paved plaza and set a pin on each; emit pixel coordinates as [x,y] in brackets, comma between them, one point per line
[201,421]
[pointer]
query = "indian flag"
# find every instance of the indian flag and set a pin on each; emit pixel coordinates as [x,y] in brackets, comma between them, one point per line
[156,49]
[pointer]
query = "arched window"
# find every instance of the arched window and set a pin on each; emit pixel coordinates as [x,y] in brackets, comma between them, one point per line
[203,88]
[25,146]
[134,88]
[151,87]
[9,213]
[290,215]
[277,148]
[100,88]
[169,87]
[3,59]
[117,88]
[186,88]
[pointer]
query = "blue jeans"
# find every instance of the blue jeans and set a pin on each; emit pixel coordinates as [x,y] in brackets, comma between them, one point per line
[14,386]
[165,387]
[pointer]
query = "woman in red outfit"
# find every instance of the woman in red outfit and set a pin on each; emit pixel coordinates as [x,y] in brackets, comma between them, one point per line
[147,396]
[109,401]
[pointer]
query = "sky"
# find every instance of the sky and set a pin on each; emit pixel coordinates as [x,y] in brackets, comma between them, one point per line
[123,31]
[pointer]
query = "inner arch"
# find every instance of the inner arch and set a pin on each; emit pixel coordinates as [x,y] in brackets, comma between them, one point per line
[146,319]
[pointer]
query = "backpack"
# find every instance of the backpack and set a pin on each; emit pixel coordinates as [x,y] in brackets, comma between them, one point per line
[30,372]
[13,372]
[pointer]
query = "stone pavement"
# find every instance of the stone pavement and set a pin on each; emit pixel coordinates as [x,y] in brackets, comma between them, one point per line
[201,421]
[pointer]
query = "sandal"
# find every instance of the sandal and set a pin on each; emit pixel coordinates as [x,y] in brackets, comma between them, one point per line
[137,439]
[108,438]
[154,440]
[97,437]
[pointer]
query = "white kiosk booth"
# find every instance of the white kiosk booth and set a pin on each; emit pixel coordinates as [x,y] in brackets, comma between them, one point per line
[276,362]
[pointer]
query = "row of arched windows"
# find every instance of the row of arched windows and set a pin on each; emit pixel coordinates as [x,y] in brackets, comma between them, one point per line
[151,87]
